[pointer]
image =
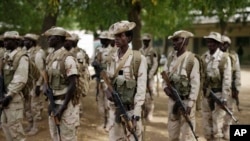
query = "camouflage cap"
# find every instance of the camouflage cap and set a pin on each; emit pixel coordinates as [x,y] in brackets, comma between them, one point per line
[59,31]
[11,35]
[181,33]
[121,26]
[225,39]
[73,37]
[31,36]
[106,35]
[146,36]
[214,35]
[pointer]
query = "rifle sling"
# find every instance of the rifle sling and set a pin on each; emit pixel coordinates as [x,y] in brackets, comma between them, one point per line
[121,64]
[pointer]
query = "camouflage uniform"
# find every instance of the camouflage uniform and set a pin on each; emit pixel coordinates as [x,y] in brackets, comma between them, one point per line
[188,87]
[117,130]
[236,83]
[221,85]
[70,116]
[12,115]
[152,61]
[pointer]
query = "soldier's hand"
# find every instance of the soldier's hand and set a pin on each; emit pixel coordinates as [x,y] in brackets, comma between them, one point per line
[168,92]
[37,91]
[188,110]
[59,112]
[6,101]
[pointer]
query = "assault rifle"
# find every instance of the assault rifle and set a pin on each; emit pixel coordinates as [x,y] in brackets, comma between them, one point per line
[49,94]
[179,103]
[117,100]
[221,104]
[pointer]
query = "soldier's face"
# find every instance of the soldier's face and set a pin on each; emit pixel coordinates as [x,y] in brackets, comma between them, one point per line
[178,43]
[224,47]
[10,44]
[68,44]
[212,45]
[28,43]
[121,40]
[146,42]
[105,42]
[52,41]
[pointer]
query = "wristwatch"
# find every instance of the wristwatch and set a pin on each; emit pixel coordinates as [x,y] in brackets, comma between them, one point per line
[137,118]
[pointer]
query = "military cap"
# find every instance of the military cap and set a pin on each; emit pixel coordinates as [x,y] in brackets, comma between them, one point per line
[106,35]
[121,26]
[214,35]
[73,37]
[31,36]
[146,36]
[181,33]
[225,39]
[59,31]
[11,35]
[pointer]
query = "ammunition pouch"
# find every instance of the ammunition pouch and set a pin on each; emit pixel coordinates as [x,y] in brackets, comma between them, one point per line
[8,76]
[181,83]
[57,80]
[126,90]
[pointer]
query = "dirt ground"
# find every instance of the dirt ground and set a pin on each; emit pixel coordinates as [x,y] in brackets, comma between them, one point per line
[156,130]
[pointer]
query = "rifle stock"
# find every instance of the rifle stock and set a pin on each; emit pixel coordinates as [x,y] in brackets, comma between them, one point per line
[179,102]
[116,98]
[222,105]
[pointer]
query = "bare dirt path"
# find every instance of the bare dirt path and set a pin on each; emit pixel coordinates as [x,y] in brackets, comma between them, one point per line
[157,130]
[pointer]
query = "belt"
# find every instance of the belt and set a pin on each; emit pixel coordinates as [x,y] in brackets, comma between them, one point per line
[59,97]
[184,97]
[216,90]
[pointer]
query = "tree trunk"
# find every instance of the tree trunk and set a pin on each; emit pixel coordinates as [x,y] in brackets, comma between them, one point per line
[134,16]
[49,20]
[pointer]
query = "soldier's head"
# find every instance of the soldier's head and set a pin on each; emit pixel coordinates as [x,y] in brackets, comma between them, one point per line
[146,38]
[105,38]
[1,41]
[30,40]
[180,40]
[213,41]
[56,37]
[123,33]
[11,40]
[226,43]
[71,42]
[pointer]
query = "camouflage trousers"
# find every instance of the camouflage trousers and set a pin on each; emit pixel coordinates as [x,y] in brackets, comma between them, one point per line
[178,128]
[11,120]
[102,104]
[212,120]
[227,119]
[149,102]
[117,131]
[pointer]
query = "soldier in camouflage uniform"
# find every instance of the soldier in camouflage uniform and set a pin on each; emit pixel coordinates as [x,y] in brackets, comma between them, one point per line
[218,79]
[128,81]
[152,59]
[62,77]
[186,83]
[236,83]
[14,82]
[37,55]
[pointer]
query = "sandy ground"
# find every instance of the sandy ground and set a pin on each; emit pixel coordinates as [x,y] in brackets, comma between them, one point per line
[156,130]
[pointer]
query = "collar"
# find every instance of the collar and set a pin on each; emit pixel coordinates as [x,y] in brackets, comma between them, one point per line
[129,51]
[13,53]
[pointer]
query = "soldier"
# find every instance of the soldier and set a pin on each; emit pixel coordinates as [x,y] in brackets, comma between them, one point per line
[61,84]
[103,58]
[36,55]
[236,83]
[152,60]
[128,70]
[218,79]
[14,82]
[186,83]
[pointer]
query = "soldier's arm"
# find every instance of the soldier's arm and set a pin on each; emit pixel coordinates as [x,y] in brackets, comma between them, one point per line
[227,79]
[154,66]
[20,77]
[195,83]
[237,73]
[40,63]
[141,87]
